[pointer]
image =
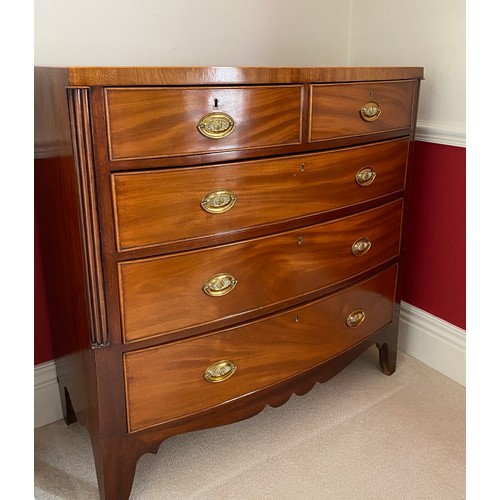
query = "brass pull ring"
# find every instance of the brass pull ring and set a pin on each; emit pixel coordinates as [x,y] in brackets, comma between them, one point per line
[356,318]
[218,202]
[370,111]
[361,246]
[365,176]
[219,285]
[216,125]
[219,371]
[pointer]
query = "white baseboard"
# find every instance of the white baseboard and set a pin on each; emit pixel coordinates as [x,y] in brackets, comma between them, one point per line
[433,341]
[47,407]
[450,134]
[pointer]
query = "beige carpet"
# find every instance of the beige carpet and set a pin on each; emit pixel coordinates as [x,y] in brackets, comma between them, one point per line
[362,435]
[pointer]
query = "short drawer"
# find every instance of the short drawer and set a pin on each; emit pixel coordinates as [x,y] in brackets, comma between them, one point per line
[158,207]
[347,109]
[174,380]
[167,294]
[158,122]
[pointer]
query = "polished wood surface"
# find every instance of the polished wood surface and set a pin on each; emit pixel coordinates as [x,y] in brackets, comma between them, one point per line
[155,207]
[167,382]
[85,177]
[209,75]
[335,109]
[154,122]
[268,270]
[121,233]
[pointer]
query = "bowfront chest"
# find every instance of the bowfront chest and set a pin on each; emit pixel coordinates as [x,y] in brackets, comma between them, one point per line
[215,239]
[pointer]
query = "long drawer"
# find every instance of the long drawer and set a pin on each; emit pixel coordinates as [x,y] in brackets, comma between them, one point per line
[348,109]
[173,380]
[157,207]
[171,293]
[157,122]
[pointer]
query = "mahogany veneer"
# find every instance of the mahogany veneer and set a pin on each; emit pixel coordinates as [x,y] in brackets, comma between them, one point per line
[215,239]
[265,352]
[320,255]
[156,122]
[148,204]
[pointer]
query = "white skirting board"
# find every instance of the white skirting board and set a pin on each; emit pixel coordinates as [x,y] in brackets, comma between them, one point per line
[47,406]
[450,134]
[434,342]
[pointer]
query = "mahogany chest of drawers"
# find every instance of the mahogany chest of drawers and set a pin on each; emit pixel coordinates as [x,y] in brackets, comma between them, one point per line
[215,239]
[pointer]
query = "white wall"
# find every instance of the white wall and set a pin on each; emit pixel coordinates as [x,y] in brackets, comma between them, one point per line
[428,33]
[191,32]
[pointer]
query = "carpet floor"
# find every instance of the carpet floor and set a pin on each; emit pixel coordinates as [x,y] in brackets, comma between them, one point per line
[362,435]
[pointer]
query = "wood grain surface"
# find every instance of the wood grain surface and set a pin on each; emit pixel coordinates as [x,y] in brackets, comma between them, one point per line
[211,75]
[155,207]
[335,109]
[165,294]
[166,382]
[154,122]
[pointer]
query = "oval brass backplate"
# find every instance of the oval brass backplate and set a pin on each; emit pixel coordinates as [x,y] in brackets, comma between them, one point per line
[361,246]
[356,318]
[218,202]
[219,371]
[365,176]
[370,111]
[216,125]
[219,285]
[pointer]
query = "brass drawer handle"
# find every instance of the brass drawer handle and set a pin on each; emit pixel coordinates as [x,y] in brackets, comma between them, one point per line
[218,202]
[365,176]
[361,246]
[370,111]
[356,318]
[219,285]
[219,371]
[216,125]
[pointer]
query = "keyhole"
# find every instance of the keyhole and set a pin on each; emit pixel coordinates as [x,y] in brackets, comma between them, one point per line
[300,240]
[297,318]
[302,167]
[370,95]
[216,103]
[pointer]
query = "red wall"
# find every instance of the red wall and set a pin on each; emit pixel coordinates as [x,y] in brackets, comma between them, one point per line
[433,268]
[43,342]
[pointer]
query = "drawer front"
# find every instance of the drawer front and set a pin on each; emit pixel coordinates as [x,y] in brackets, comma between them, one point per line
[340,110]
[158,122]
[167,382]
[172,293]
[209,200]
